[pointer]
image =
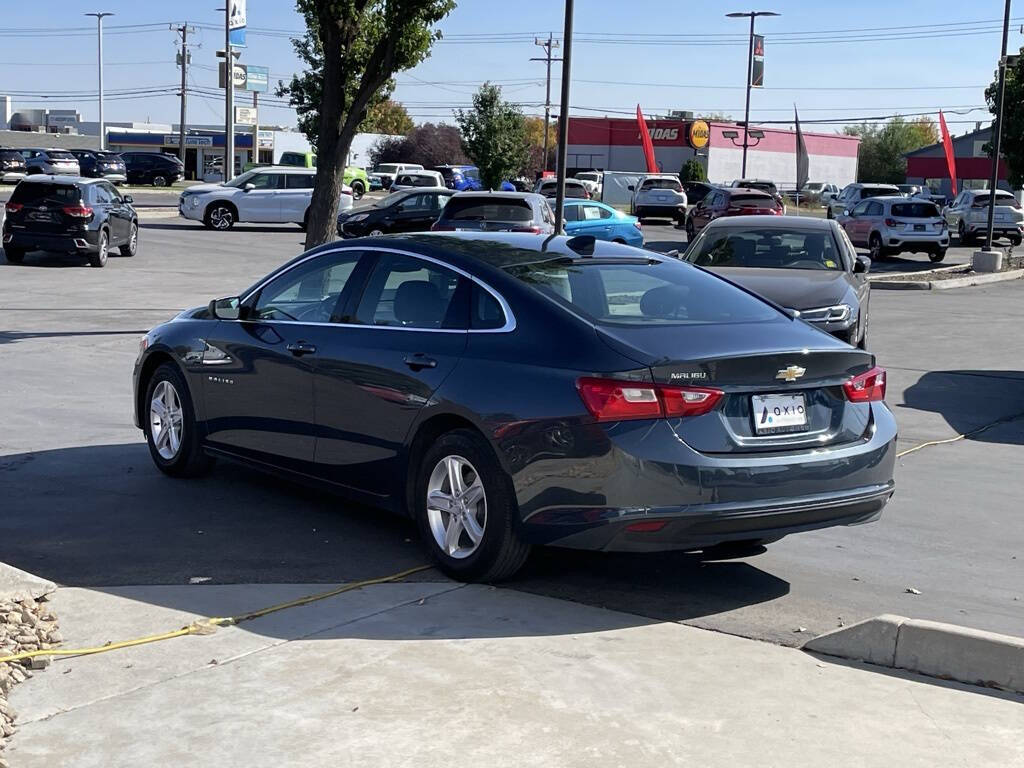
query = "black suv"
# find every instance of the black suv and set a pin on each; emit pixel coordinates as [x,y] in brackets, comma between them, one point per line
[101,165]
[154,168]
[62,214]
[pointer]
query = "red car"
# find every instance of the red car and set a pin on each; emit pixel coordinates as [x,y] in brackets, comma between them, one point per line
[730,201]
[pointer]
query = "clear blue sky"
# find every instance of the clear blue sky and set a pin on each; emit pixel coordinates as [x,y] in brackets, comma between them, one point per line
[824,55]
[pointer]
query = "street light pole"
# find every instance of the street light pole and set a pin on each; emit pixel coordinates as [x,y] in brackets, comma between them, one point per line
[229,98]
[547,45]
[99,36]
[750,76]
[997,132]
[563,116]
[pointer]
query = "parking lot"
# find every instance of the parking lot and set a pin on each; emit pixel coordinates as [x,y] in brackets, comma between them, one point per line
[84,506]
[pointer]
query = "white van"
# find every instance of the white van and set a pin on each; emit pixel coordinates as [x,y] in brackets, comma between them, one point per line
[388,172]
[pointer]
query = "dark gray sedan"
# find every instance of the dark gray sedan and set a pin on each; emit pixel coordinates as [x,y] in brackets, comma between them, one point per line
[799,263]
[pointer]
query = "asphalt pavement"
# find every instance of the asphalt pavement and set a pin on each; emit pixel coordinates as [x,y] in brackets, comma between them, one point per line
[83,506]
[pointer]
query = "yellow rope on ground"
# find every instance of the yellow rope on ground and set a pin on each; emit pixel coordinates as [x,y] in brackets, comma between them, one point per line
[207,626]
[964,436]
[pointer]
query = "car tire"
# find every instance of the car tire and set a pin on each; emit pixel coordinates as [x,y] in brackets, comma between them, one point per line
[690,232]
[828,213]
[220,217]
[376,232]
[358,190]
[186,459]
[731,550]
[477,541]
[1015,241]
[938,255]
[159,180]
[99,258]
[130,248]
[965,237]
[876,249]
[14,255]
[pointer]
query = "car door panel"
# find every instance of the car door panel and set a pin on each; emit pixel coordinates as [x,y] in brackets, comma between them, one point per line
[295,197]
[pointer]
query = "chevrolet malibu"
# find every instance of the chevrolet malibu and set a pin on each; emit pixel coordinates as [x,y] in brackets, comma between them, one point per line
[507,390]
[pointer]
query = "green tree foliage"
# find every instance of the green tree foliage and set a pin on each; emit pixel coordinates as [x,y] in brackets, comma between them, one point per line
[351,49]
[387,116]
[494,136]
[693,170]
[535,161]
[882,147]
[1012,147]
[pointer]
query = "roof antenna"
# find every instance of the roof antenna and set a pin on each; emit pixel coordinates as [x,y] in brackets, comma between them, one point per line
[582,244]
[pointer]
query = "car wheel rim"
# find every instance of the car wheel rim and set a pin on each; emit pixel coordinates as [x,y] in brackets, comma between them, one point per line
[165,420]
[876,248]
[103,248]
[375,232]
[220,218]
[159,181]
[456,507]
[133,239]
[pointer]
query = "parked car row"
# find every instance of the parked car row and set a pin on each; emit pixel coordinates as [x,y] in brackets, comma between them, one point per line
[153,168]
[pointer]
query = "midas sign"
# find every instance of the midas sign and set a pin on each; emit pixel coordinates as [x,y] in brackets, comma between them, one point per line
[700,134]
[668,134]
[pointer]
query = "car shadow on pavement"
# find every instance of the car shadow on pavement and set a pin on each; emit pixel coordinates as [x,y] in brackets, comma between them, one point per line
[49,259]
[289,229]
[103,517]
[971,399]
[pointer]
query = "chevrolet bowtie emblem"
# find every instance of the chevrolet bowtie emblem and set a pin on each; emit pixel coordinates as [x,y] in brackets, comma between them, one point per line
[792,373]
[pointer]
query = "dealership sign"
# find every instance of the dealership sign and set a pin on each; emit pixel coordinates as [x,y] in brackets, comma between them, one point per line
[700,134]
[236,23]
[171,140]
[247,77]
[757,64]
[667,134]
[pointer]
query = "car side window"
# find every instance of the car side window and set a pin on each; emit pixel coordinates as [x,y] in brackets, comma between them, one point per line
[406,292]
[594,212]
[572,213]
[100,194]
[115,196]
[874,208]
[312,292]
[267,180]
[415,203]
[547,213]
[299,181]
[486,312]
[860,209]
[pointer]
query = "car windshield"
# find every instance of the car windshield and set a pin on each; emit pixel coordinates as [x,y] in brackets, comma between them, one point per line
[33,193]
[587,176]
[475,209]
[766,248]
[109,157]
[814,186]
[10,155]
[641,292]
[241,181]
[672,184]
[389,168]
[766,186]
[916,210]
[471,173]
[394,197]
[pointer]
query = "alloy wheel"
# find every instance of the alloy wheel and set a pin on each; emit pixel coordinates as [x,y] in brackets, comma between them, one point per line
[376,232]
[456,507]
[133,239]
[221,218]
[875,248]
[165,420]
[159,181]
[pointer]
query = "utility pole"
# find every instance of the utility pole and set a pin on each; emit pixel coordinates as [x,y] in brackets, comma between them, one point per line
[997,132]
[229,97]
[750,76]
[547,45]
[99,37]
[256,128]
[563,117]
[183,60]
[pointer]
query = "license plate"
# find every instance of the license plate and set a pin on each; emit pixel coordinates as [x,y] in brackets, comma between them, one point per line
[919,227]
[661,198]
[774,414]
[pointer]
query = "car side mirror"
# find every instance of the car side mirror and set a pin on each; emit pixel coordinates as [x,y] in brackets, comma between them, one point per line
[630,187]
[249,187]
[847,213]
[128,198]
[862,265]
[229,308]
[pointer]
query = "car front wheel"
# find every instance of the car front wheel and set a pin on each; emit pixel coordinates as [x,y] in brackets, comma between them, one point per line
[938,255]
[220,217]
[877,250]
[99,259]
[357,190]
[170,425]
[465,510]
[159,181]
[130,248]
[14,255]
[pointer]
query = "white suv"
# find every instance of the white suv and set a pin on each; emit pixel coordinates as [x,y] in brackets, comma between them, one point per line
[274,195]
[968,215]
[659,194]
[854,193]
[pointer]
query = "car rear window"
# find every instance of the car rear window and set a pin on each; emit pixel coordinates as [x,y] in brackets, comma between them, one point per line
[642,292]
[110,157]
[475,209]
[59,154]
[751,198]
[1002,198]
[9,155]
[767,248]
[877,191]
[672,184]
[32,193]
[916,210]
[766,186]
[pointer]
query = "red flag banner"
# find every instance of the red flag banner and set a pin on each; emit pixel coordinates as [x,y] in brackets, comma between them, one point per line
[947,144]
[645,139]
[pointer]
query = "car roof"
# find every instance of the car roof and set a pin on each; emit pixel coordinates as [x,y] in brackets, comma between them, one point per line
[773,222]
[873,184]
[754,190]
[51,178]
[285,169]
[492,194]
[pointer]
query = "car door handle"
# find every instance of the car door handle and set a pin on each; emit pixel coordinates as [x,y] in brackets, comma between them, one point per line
[300,348]
[420,361]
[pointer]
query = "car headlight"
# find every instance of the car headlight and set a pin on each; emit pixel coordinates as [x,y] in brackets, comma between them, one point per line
[837,314]
[358,217]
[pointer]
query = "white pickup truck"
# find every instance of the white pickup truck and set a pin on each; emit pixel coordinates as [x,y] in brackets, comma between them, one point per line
[268,194]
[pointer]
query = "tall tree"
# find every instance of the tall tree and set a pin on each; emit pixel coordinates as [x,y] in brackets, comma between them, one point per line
[426,144]
[1012,145]
[882,147]
[536,161]
[494,136]
[352,49]
[387,116]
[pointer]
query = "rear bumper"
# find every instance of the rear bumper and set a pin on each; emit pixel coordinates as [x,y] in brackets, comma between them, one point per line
[690,500]
[85,241]
[999,227]
[12,177]
[673,211]
[917,240]
[116,178]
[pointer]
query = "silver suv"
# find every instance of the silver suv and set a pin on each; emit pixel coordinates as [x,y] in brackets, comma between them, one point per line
[59,162]
[968,214]
[854,193]
[894,224]
[659,194]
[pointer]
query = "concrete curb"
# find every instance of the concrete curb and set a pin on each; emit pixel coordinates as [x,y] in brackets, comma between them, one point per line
[880,277]
[942,285]
[16,584]
[157,213]
[931,648]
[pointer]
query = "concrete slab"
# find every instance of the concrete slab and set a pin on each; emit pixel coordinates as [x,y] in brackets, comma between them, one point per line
[16,584]
[502,678]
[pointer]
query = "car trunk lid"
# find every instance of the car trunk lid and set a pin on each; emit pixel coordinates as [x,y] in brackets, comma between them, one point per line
[47,208]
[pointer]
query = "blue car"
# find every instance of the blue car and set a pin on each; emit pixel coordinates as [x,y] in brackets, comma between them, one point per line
[589,217]
[466,178]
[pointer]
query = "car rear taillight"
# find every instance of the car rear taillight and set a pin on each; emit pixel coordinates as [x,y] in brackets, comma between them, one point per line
[439,227]
[13,207]
[867,387]
[535,230]
[894,223]
[78,211]
[638,225]
[613,400]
